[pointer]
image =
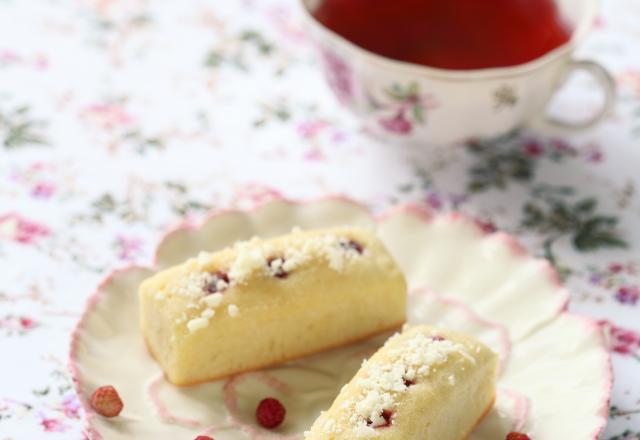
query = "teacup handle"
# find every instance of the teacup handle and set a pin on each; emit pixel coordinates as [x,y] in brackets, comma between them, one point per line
[607,84]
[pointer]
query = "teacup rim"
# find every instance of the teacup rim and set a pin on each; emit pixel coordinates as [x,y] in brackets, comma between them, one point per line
[579,33]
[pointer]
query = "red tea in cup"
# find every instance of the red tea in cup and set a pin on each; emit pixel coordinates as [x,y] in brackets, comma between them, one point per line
[449,34]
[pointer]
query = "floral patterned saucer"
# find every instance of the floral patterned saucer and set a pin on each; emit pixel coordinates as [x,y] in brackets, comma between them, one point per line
[555,379]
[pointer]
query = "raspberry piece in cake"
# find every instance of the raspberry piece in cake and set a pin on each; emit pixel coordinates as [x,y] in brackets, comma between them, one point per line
[386,417]
[276,267]
[219,282]
[352,245]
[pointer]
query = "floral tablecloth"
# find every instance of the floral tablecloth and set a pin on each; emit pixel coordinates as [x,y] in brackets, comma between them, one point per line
[118,118]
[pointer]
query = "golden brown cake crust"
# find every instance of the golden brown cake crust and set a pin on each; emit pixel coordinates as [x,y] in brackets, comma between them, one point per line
[272,364]
[482,417]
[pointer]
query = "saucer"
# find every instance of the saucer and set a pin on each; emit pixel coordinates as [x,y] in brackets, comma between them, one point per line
[555,373]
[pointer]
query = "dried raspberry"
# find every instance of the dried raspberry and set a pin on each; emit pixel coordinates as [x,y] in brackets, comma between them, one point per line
[408,382]
[106,401]
[270,412]
[275,267]
[351,245]
[212,287]
[437,338]
[204,437]
[517,436]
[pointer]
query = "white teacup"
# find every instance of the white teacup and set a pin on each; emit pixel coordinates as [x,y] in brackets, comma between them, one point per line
[431,105]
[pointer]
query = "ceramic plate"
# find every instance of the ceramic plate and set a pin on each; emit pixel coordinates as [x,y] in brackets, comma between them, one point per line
[555,378]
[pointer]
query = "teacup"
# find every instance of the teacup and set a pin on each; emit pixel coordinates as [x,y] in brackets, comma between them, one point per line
[431,105]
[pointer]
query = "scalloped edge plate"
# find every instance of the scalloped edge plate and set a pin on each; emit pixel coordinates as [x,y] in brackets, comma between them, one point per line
[486,285]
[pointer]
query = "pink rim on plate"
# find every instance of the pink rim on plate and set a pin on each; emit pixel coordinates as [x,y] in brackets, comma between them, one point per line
[525,319]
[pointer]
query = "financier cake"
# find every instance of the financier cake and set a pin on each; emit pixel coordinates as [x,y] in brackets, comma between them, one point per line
[424,383]
[262,302]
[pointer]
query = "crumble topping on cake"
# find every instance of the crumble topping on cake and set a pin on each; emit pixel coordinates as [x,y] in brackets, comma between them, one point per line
[252,258]
[197,324]
[383,383]
[212,300]
[256,256]
[190,284]
[207,313]
[330,425]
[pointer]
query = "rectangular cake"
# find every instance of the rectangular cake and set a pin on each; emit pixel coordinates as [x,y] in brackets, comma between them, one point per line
[262,302]
[423,384]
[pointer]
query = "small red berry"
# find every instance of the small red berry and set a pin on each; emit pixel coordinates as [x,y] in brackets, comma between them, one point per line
[351,245]
[270,412]
[106,401]
[204,437]
[517,436]
[408,382]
